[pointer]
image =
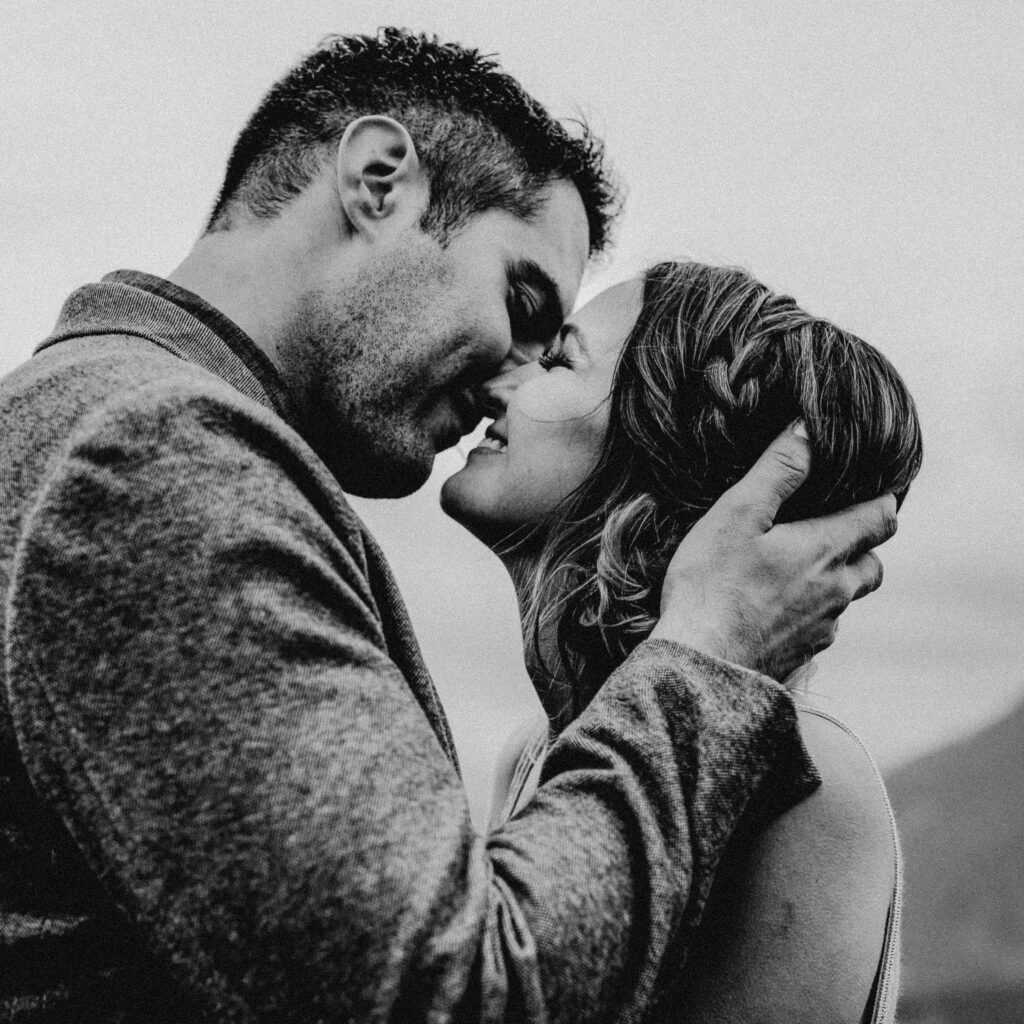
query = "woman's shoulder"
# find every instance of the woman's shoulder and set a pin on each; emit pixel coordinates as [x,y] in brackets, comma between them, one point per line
[796,924]
[842,835]
[850,812]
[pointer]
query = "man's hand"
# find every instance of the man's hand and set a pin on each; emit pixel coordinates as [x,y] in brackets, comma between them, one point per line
[766,596]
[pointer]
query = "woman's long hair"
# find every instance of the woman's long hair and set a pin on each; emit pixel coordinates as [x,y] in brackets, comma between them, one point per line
[716,366]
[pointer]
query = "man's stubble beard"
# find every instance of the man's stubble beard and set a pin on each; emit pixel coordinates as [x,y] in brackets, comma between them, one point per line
[361,360]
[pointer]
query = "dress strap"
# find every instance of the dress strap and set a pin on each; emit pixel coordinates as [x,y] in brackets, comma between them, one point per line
[881,1008]
[524,779]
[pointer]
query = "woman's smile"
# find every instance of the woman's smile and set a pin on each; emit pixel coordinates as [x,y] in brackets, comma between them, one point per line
[553,418]
[494,441]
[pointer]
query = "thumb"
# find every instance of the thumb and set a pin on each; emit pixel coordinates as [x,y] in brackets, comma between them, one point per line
[781,469]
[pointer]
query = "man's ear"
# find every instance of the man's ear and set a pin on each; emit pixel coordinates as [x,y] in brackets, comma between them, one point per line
[379,174]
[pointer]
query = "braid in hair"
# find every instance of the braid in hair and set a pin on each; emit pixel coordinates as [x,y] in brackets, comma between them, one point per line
[716,366]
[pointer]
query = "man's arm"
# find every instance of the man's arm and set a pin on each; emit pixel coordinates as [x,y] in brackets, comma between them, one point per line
[201,691]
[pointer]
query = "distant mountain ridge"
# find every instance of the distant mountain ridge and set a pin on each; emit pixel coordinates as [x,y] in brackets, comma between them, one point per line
[961,816]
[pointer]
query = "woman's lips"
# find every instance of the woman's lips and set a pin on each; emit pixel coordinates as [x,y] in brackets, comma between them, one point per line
[491,444]
[495,438]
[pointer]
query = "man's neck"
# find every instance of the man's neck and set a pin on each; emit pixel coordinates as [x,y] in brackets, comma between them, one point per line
[227,272]
[258,272]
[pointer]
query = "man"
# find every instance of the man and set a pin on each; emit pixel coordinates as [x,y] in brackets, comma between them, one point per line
[229,791]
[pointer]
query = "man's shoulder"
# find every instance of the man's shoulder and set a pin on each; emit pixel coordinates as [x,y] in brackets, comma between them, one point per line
[131,403]
[84,377]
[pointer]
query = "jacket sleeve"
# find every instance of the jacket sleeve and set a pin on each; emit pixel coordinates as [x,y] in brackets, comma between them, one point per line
[201,690]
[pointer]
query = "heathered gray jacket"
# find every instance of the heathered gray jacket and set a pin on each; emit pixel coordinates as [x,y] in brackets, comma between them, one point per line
[227,789]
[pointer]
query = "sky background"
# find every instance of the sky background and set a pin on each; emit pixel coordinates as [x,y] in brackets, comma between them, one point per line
[865,158]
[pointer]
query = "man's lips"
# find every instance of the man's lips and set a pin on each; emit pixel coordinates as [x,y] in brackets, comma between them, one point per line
[452,415]
[466,408]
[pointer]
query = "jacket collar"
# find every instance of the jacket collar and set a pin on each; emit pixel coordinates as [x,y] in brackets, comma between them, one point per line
[130,302]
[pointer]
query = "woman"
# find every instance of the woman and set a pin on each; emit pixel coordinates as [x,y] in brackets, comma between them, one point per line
[652,402]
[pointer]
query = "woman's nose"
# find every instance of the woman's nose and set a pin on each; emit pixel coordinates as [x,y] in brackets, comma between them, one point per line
[493,395]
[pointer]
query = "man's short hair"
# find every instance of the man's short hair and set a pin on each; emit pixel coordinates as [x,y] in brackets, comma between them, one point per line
[484,142]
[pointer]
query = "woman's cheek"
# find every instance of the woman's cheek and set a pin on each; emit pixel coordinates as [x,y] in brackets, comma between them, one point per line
[550,400]
[545,470]
[590,434]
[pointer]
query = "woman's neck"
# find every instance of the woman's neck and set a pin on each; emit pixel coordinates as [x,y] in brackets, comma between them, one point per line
[540,647]
[521,567]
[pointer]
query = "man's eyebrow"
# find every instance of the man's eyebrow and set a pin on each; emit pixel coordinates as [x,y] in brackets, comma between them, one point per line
[551,314]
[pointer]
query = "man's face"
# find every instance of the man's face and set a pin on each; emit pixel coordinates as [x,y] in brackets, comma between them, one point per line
[392,357]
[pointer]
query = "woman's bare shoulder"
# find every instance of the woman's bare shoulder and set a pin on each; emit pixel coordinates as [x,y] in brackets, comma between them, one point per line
[796,922]
[835,850]
[849,815]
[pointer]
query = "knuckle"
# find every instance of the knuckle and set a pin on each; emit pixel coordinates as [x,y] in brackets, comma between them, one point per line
[835,545]
[846,594]
[825,640]
[867,574]
[790,459]
[831,629]
[824,543]
[883,522]
[746,511]
[879,573]
[833,553]
[791,464]
[889,522]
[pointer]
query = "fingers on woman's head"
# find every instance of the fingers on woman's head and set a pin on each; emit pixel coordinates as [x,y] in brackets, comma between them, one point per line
[872,523]
[851,533]
[776,475]
[866,574]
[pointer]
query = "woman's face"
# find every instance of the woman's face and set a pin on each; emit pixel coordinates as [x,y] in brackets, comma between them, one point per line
[549,436]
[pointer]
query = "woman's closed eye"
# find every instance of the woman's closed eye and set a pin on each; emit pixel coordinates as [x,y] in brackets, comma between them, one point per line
[552,356]
[563,350]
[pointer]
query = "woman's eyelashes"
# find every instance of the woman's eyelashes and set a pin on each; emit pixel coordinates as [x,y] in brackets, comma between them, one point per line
[563,350]
[552,356]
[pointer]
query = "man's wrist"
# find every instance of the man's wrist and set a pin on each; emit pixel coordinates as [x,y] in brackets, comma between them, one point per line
[736,645]
[704,640]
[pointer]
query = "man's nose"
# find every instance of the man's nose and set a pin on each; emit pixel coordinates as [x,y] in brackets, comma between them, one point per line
[494,394]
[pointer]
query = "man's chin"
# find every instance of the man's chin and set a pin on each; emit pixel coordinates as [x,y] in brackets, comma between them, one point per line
[386,481]
[369,474]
